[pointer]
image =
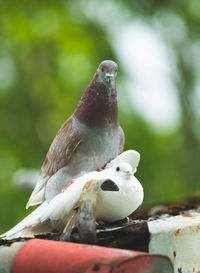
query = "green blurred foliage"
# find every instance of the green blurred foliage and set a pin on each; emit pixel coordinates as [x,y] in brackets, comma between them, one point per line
[48,55]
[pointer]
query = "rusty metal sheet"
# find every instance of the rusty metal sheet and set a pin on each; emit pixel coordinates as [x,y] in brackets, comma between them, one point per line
[139,264]
[49,256]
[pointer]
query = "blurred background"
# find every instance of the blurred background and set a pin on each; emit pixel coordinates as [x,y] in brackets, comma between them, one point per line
[49,51]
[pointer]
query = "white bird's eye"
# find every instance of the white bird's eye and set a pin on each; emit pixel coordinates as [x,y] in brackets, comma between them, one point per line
[118,169]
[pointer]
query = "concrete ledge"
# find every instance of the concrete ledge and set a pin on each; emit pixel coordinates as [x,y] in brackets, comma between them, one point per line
[178,237]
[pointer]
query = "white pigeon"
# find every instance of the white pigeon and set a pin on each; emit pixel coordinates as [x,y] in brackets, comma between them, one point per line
[111,205]
[130,156]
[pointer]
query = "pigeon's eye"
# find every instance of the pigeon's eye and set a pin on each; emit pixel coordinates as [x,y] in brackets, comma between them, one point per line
[118,169]
[102,69]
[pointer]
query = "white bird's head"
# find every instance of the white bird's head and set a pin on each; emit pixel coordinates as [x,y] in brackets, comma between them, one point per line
[123,169]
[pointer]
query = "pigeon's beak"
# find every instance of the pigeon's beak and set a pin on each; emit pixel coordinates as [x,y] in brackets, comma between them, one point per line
[129,173]
[110,77]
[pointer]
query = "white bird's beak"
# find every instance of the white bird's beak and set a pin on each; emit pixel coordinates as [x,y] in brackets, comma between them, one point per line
[129,173]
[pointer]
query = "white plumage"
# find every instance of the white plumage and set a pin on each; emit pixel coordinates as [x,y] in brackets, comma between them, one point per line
[111,205]
[130,156]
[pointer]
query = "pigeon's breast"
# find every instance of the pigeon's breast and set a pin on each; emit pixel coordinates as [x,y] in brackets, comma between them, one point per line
[99,146]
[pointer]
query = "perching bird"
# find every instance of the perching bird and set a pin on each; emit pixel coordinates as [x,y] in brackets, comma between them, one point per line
[111,205]
[89,139]
[130,156]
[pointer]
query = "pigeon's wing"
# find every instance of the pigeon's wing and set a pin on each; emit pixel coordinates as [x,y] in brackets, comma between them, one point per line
[122,140]
[64,144]
[62,204]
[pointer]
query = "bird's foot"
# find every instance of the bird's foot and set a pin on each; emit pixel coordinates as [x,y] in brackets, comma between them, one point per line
[69,184]
[100,223]
[99,170]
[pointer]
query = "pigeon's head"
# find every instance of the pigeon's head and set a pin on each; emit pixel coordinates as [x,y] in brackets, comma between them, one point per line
[123,169]
[107,72]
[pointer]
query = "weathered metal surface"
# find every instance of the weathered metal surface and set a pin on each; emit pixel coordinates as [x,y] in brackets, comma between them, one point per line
[7,255]
[178,237]
[132,235]
[50,256]
[172,208]
[82,226]
[138,264]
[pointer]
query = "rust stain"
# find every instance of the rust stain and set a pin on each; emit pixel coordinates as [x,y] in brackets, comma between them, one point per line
[94,193]
[187,215]
[191,229]
[176,233]
[197,230]
[87,185]
[97,267]
[174,256]
[86,189]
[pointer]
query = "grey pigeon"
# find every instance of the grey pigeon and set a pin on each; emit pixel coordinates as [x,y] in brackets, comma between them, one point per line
[87,140]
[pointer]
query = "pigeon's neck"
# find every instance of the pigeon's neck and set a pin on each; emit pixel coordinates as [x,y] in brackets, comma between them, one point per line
[98,106]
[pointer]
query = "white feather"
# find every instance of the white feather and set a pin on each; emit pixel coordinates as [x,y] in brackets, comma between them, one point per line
[24,223]
[111,206]
[130,156]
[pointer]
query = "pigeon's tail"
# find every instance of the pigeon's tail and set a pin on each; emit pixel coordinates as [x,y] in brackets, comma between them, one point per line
[37,195]
[25,227]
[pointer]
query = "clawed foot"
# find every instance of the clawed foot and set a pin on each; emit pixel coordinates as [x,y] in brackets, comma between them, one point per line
[71,182]
[100,223]
[100,170]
